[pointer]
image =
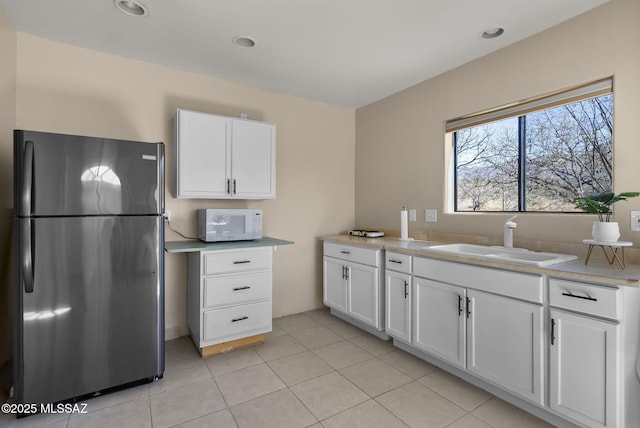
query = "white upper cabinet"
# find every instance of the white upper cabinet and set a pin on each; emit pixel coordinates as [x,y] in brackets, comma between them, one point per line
[253,159]
[218,157]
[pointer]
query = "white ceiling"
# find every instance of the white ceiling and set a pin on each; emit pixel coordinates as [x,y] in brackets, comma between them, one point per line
[344,52]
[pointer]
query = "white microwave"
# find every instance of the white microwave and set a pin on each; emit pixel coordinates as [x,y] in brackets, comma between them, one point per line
[215,225]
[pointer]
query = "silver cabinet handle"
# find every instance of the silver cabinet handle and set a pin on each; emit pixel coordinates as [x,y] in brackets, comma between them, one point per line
[240,319]
[234,186]
[345,272]
[246,287]
[345,252]
[395,261]
[240,262]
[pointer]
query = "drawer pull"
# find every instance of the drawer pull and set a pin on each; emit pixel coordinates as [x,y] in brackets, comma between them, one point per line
[395,261]
[345,252]
[246,287]
[587,297]
[240,319]
[240,262]
[553,331]
[406,289]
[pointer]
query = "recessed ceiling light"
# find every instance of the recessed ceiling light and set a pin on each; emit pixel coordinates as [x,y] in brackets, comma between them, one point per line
[492,33]
[131,7]
[244,41]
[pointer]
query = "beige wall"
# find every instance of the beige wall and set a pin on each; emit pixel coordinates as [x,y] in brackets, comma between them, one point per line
[7,122]
[66,89]
[400,155]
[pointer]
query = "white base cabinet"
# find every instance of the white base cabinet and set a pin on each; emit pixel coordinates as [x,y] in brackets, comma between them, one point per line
[439,321]
[398,296]
[486,321]
[584,369]
[505,343]
[352,283]
[585,357]
[229,294]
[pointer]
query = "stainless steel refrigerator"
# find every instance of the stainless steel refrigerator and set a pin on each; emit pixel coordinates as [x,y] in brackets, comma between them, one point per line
[89,265]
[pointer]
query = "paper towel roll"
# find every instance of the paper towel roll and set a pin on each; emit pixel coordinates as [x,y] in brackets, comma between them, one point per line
[404,224]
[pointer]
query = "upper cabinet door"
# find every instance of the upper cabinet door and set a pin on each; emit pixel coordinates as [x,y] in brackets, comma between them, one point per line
[253,160]
[220,157]
[203,147]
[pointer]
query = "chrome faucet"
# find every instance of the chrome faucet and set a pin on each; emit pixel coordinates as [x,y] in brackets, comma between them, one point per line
[509,225]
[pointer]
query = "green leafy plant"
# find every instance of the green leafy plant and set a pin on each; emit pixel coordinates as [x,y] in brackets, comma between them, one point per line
[600,203]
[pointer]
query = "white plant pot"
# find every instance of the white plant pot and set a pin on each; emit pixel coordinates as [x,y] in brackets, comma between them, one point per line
[605,231]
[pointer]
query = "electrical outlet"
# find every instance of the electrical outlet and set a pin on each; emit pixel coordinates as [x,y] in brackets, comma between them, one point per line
[167,215]
[431,216]
[635,221]
[412,215]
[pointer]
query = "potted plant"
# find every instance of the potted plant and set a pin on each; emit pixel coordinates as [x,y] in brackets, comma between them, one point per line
[600,203]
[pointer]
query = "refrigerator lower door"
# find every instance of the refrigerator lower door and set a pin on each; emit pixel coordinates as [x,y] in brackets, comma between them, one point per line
[93,317]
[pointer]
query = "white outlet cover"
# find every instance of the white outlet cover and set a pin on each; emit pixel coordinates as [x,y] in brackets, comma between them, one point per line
[412,215]
[431,215]
[635,221]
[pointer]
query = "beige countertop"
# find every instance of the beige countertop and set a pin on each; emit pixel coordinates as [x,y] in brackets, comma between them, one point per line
[596,271]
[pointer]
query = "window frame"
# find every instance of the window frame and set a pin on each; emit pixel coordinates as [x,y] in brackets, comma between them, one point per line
[519,110]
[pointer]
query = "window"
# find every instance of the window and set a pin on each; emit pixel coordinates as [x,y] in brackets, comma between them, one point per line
[535,156]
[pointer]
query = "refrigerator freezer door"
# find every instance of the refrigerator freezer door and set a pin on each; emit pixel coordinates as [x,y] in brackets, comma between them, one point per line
[66,175]
[94,318]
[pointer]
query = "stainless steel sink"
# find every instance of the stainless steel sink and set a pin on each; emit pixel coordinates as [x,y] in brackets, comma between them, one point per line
[514,255]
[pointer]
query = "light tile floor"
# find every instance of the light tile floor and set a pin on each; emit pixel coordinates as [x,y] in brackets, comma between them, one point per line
[314,370]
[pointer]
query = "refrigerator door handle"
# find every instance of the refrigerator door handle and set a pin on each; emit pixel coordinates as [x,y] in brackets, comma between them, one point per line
[27,178]
[27,256]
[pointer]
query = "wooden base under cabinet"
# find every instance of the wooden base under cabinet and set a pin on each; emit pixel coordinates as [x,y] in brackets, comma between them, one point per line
[219,348]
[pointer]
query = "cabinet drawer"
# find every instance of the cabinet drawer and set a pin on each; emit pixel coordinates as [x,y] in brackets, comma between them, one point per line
[587,298]
[365,256]
[507,283]
[225,290]
[398,262]
[237,321]
[229,261]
